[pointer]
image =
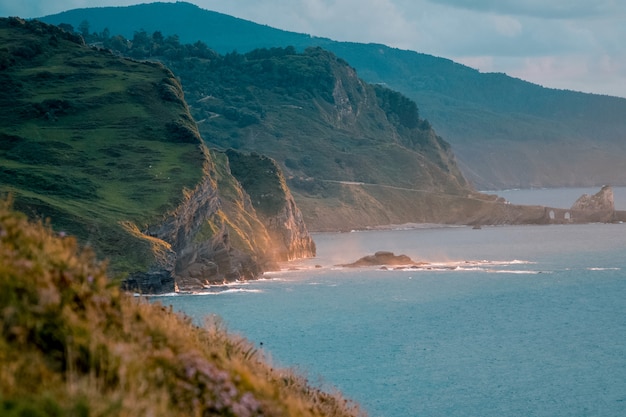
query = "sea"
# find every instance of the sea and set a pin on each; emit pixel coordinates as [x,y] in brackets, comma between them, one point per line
[499,321]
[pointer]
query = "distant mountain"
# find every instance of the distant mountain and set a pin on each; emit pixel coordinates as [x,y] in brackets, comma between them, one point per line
[505,132]
[106,149]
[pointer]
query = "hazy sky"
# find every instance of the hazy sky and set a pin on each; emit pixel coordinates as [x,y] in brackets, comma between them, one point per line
[573,44]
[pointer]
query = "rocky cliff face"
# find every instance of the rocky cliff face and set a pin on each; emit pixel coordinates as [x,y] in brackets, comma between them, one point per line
[228,228]
[191,257]
[263,180]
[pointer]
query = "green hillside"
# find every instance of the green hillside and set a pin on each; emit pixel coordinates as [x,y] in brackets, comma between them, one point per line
[81,133]
[504,131]
[107,150]
[328,130]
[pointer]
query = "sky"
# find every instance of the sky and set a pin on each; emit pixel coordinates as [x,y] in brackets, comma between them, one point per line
[568,44]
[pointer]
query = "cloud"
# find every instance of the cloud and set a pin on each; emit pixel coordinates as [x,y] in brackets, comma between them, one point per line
[377,21]
[552,9]
[602,75]
[507,26]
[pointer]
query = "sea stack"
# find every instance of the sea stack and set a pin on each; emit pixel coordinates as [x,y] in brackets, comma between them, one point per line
[603,200]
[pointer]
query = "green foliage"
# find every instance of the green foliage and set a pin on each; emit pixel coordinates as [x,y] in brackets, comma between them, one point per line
[398,107]
[262,179]
[91,140]
[72,344]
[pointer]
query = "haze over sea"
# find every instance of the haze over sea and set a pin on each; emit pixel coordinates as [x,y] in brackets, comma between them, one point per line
[509,321]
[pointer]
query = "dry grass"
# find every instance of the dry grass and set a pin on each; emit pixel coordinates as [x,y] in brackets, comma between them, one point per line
[73,344]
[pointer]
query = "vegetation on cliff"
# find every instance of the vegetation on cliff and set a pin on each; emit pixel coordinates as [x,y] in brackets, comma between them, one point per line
[505,132]
[334,136]
[107,149]
[72,344]
[84,139]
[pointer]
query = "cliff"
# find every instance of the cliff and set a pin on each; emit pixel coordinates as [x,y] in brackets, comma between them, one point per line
[326,129]
[355,155]
[263,180]
[106,149]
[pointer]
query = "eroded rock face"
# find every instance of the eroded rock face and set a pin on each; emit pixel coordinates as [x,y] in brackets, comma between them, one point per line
[603,200]
[214,261]
[200,261]
[289,233]
[195,260]
[263,180]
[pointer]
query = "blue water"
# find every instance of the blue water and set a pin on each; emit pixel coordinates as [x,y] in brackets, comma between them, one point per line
[535,325]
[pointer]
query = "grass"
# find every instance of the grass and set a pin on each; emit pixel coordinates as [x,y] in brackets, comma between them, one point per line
[73,344]
[92,142]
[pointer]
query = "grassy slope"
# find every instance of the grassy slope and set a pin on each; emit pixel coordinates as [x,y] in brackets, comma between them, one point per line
[71,344]
[84,140]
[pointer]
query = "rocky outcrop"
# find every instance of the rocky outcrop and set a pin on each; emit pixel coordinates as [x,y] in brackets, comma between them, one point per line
[201,259]
[204,246]
[382,258]
[603,200]
[216,236]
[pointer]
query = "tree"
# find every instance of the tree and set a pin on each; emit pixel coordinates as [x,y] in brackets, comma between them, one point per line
[157,37]
[83,28]
[67,27]
[118,43]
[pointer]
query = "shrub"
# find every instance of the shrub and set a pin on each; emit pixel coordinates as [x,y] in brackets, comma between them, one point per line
[71,343]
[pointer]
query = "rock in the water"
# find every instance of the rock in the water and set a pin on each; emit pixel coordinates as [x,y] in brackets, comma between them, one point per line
[381,258]
[603,200]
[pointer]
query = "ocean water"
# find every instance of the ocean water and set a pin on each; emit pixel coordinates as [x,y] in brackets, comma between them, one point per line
[506,321]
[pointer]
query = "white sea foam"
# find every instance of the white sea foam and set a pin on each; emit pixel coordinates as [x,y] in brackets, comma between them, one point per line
[518,271]
[468,265]
[225,291]
[168,294]
[603,269]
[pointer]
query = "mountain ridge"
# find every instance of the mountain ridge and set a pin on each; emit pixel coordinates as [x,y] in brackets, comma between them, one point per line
[506,132]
